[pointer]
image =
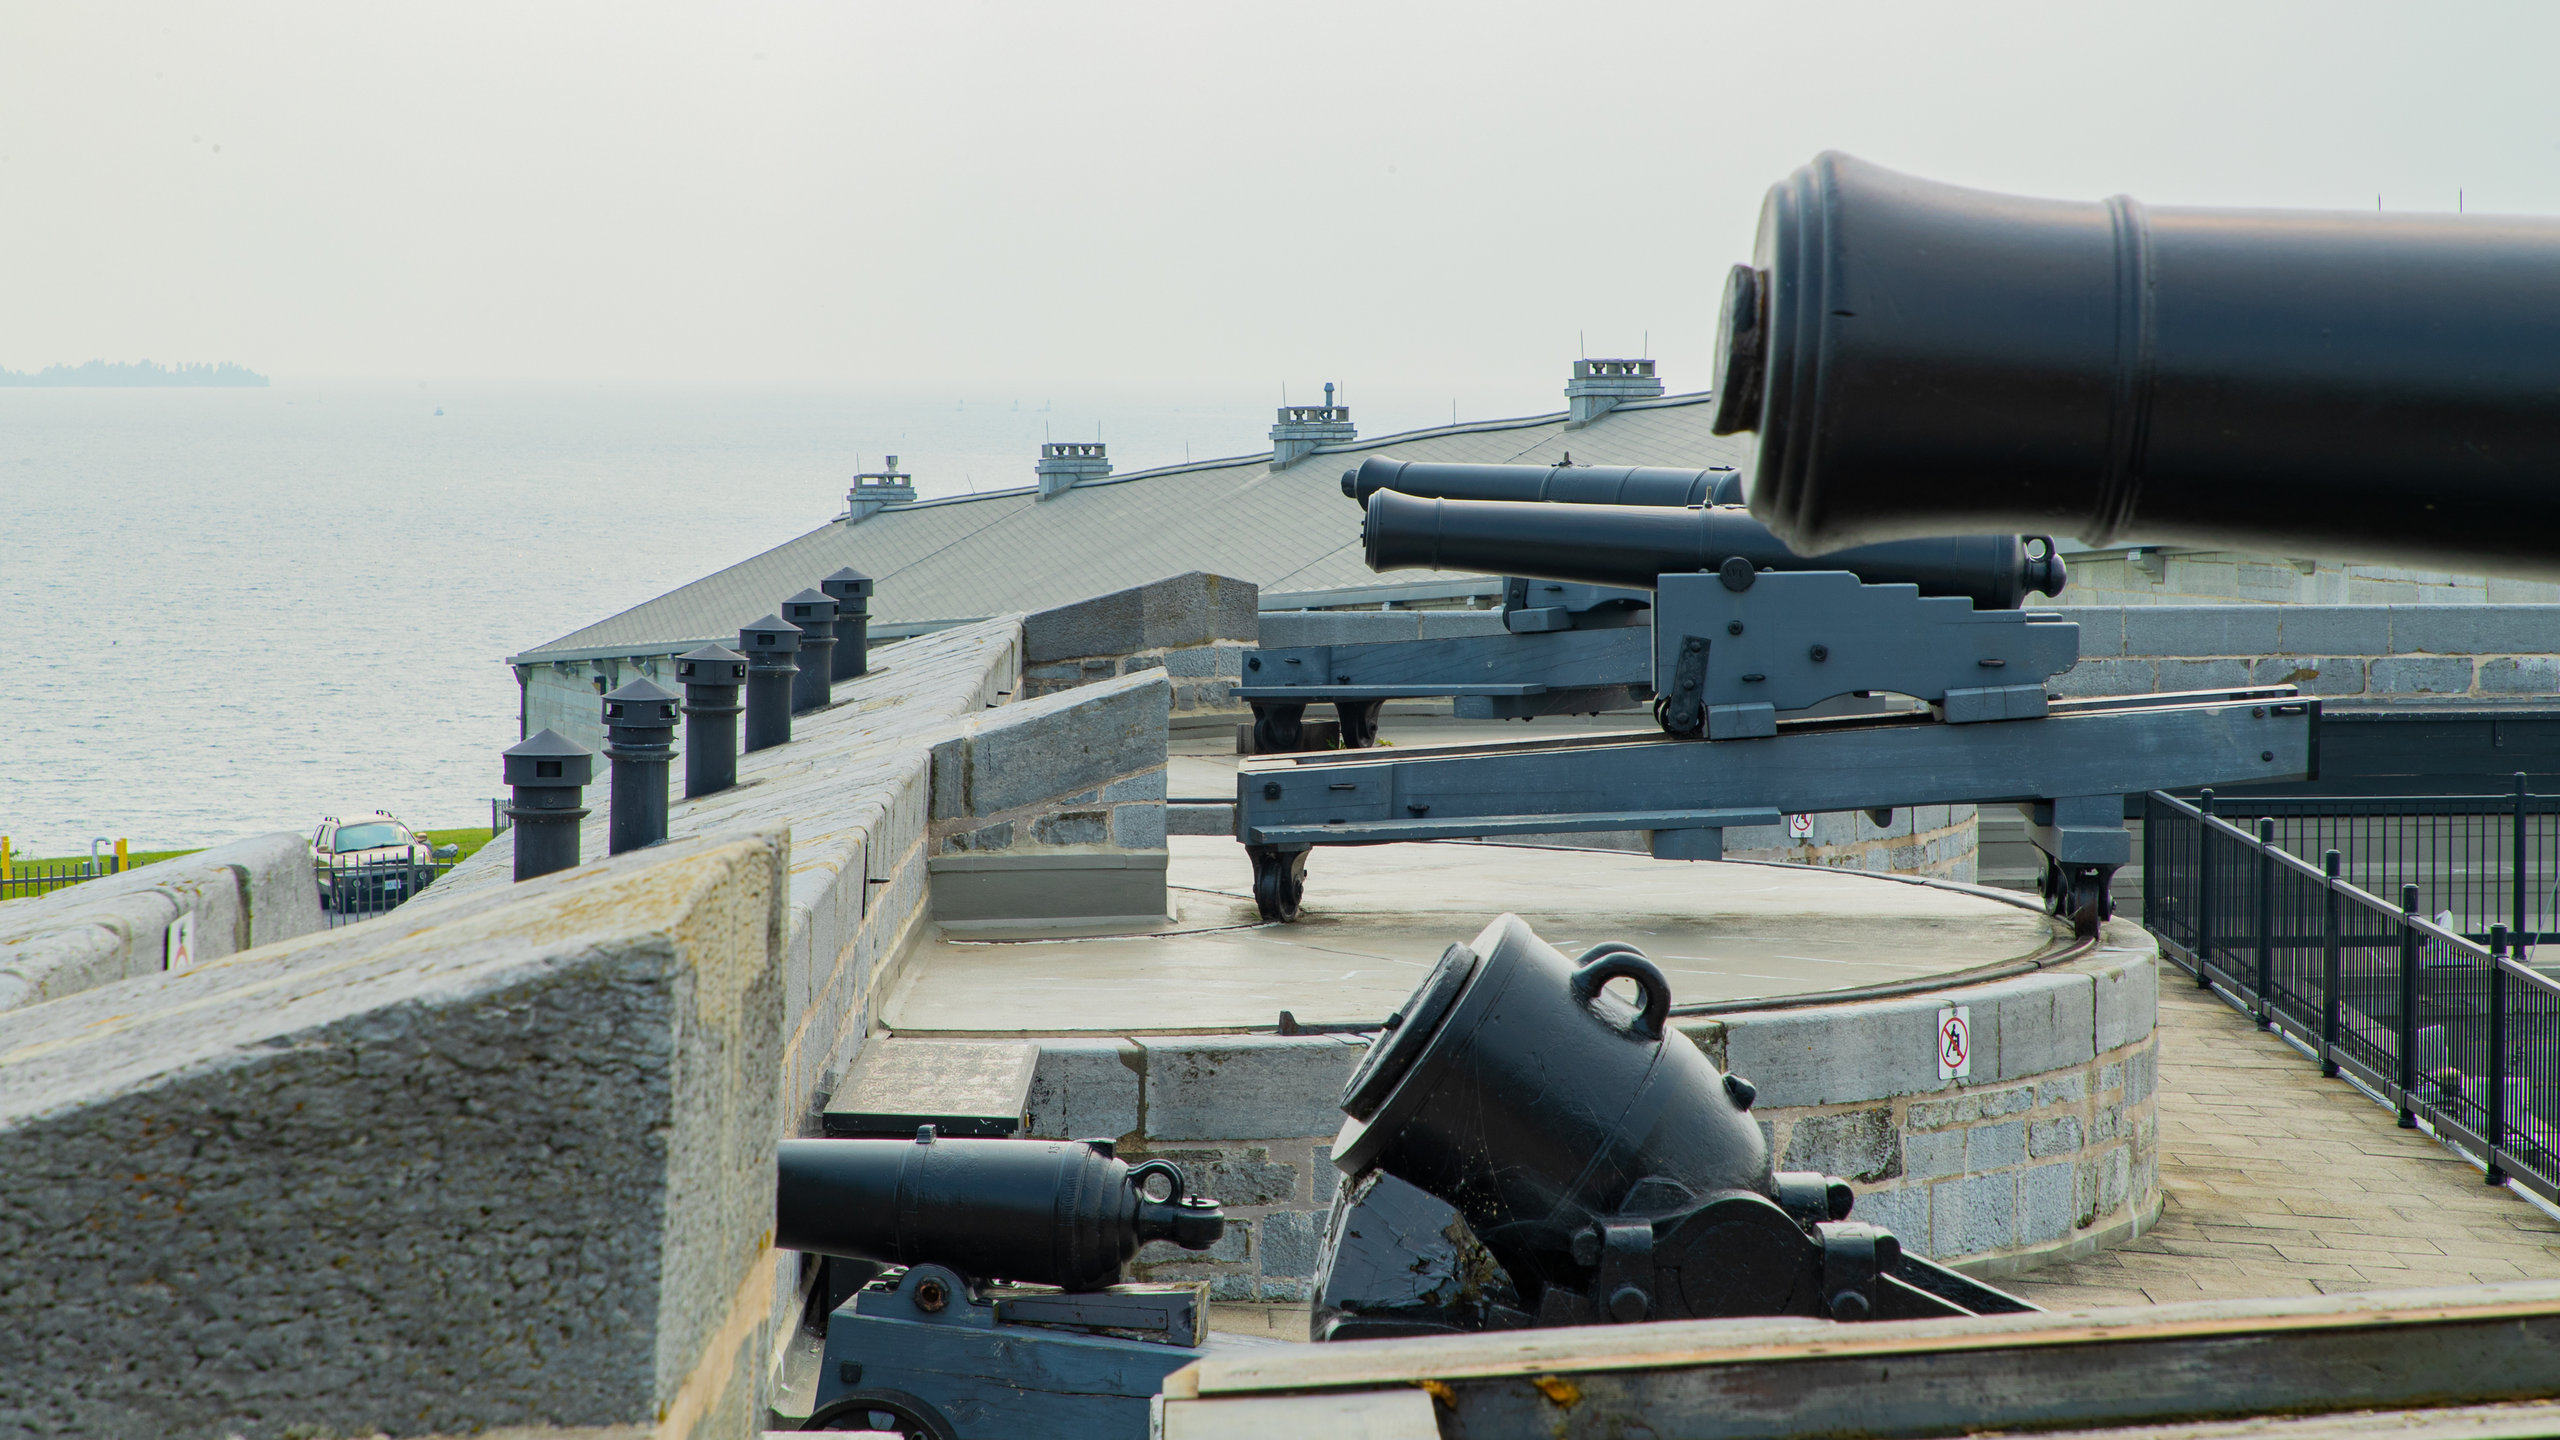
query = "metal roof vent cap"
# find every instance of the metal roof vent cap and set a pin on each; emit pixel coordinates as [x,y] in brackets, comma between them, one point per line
[876,490]
[1303,429]
[1600,386]
[1065,464]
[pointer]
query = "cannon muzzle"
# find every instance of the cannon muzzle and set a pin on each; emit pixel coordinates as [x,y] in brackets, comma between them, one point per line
[1630,545]
[1045,1212]
[1556,484]
[1920,359]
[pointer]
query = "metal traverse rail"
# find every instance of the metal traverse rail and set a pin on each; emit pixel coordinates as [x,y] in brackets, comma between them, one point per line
[2070,767]
[2455,1035]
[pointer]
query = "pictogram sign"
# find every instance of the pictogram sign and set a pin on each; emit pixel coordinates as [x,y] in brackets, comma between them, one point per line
[1955,1042]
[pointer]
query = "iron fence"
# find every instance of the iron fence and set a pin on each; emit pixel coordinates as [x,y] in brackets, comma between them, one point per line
[22,878]
[359,890]
[2455,1034]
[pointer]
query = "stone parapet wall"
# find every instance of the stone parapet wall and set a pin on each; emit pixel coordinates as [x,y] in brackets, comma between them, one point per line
[2142,576]
[506,1160]
[2499,652]
[247,893]
[1195,628]
[854,789]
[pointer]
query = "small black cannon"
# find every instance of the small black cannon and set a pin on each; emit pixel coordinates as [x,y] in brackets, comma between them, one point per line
[1525,1148]
[1919,358]
[1552,484]
[1004,1316]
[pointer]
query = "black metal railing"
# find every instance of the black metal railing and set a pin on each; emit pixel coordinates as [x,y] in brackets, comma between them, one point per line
[2485,859]
[2456,1035]
[359,890]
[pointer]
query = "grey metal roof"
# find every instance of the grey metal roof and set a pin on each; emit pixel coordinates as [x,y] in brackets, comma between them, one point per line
[965,558]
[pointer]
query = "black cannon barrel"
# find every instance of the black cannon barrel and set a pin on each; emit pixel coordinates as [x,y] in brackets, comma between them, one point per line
[1556,484]
[1631,544]
[1045,1212]
[1919,358]
[1515,1087]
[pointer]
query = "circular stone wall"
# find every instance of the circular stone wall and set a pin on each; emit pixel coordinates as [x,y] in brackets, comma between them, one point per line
[1166,1041]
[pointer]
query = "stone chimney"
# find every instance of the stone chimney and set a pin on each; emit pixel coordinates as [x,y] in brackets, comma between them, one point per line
[1302,428]
[877,490]
[1065,464]
[1600,386]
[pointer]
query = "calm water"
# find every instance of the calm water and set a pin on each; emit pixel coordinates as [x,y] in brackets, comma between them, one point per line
[228,611]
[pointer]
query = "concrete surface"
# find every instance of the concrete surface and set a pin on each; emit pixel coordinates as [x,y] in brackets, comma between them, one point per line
[2278,1182]
[1378,917]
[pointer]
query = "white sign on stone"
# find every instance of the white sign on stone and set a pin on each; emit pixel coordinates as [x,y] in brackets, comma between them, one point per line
[181,953]
[1955,1042]
[1799,827]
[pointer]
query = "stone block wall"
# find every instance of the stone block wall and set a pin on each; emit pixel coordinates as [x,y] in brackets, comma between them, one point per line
[2343,652]
[505,1163]
[1249,1118]
[1937,841]
[2122,576]
[1073,769]
[1052,809]
[1195,628]
[2049,1149]
[247,893]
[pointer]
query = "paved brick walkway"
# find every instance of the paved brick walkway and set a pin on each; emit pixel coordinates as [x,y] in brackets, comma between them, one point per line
[2282,1183]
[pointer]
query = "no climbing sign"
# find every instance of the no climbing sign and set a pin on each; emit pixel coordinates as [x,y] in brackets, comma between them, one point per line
[1955,1042]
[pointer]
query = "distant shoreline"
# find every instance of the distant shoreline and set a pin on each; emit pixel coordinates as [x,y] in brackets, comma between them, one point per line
[135,373]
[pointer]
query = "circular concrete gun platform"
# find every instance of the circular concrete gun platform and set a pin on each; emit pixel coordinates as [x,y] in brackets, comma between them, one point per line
[1376,918]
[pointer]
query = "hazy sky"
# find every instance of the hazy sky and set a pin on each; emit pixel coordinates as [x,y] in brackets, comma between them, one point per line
[1377,193]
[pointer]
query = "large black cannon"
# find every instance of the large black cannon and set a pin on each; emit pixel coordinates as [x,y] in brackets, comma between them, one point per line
[1919,358]
[1553,484]
[1595,1155]
[1633,545]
